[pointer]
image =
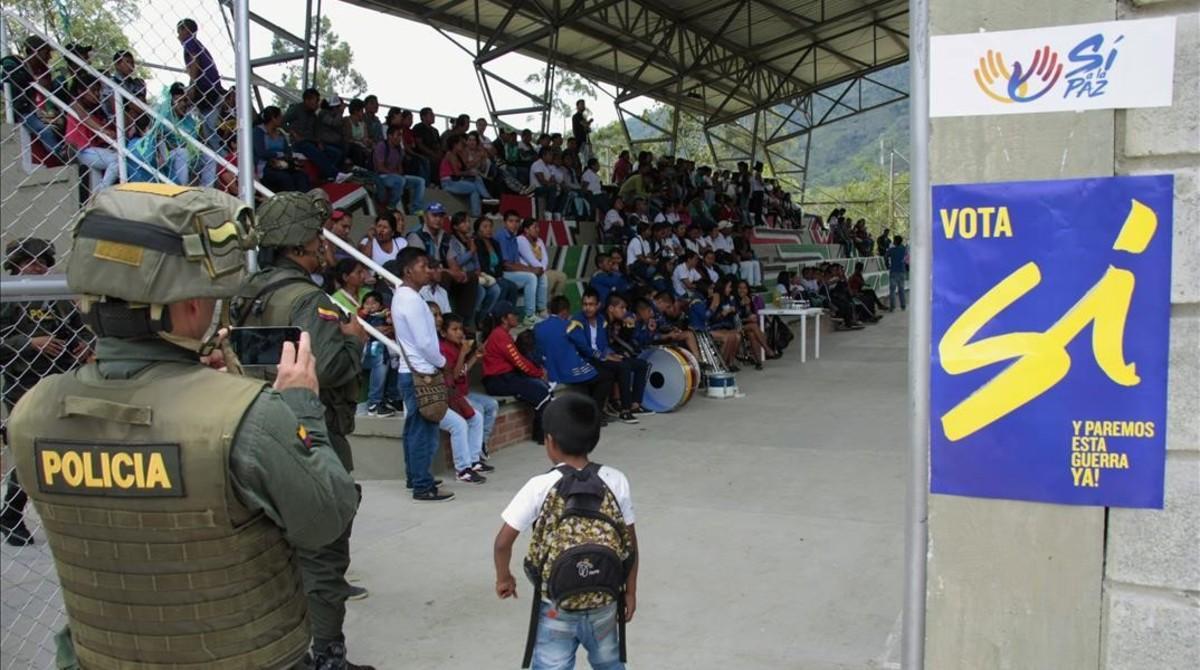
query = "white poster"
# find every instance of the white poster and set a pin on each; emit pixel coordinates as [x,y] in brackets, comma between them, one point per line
[1112,65]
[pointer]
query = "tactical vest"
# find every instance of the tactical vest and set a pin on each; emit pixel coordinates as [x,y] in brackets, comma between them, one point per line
[161,566]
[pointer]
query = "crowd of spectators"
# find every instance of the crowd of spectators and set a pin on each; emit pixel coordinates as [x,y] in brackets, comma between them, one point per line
[681,260]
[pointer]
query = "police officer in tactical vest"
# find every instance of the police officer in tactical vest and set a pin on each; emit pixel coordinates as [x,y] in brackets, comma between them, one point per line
[174,496]
[282,293]
[37,338]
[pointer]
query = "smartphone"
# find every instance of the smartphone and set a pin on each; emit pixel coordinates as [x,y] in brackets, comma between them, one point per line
[261,346]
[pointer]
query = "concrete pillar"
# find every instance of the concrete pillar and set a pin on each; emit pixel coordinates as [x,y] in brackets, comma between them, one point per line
[1151,608]
[1023,585]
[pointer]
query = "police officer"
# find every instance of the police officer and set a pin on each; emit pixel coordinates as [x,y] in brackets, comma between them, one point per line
[174,496]
[37,338]
[283,293]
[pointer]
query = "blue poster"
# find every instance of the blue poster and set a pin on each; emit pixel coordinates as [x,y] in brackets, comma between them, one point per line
[1051,302]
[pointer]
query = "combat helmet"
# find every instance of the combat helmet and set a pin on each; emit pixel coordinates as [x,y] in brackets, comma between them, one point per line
[291,219]
[149,245]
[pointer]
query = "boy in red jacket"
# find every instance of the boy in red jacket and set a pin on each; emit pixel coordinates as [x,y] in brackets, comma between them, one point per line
[507,372]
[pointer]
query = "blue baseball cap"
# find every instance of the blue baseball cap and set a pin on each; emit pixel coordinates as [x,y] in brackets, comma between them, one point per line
[435,208]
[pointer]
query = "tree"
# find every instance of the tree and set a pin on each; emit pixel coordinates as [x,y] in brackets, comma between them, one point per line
[568,87]
[335,65]
[97,23]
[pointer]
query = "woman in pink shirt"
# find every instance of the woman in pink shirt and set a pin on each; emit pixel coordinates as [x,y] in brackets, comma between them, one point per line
[86,133]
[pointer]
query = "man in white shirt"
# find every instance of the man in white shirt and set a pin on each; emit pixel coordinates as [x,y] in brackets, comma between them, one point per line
[614,221]
[723,241]
[685,276]
[591,177]
[417,337]
[544,181]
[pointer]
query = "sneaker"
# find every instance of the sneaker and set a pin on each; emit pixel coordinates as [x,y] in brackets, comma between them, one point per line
[529,321]
[357,593]
[333,657]
[470,476]
[483,454]
[643,411]
[433,495]
[396,406]
[628,417]
[342,177]
[483,467]
[610,410]
[380,410]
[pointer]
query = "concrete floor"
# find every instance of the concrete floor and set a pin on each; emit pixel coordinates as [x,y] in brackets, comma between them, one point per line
[770,526]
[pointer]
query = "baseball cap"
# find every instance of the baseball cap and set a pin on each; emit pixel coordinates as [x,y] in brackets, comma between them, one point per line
[435,208]
[334,100]
[724,224]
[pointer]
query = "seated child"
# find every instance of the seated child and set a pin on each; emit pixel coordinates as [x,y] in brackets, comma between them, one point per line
[382,398]
[591,614]
[463,421]
[507,372]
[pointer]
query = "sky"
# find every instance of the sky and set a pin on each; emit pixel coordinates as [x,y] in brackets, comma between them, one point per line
[406,64]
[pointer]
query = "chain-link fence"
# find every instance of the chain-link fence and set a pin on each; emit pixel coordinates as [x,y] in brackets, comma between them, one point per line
[94,92]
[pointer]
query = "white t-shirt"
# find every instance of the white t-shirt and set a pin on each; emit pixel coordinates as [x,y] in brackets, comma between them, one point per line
[539,167]
[591,180]
[713,275]
[528,257]
[723,243]
[667,217]
[637,247]
[681,274]
[527,504]
[435,293]
[380,256]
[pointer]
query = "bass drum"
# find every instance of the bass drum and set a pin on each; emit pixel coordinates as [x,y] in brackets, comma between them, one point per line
[673,378]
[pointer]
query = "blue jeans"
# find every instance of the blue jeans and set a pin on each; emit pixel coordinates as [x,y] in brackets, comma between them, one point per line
[375,362]
[487,406]
[485,299]
[327,158]
[559,637]
[466,438]
[896,285]
[44,133]
[533,288]
[420,439]
[472,187]
[396,184]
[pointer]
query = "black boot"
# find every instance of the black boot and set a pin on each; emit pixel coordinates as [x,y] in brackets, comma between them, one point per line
[333,657]
[12,516]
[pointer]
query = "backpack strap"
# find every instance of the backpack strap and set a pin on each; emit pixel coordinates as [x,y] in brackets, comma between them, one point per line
[258,303]
[534,615]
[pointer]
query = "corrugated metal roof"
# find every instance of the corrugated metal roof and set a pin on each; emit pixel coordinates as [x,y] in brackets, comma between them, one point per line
[720,59]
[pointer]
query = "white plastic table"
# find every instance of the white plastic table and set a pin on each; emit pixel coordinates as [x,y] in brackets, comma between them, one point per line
[803,313]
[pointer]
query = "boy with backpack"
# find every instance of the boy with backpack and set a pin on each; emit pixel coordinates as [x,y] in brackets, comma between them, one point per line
[583,553]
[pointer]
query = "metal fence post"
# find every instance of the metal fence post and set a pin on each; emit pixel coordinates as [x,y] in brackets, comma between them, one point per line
[920,298]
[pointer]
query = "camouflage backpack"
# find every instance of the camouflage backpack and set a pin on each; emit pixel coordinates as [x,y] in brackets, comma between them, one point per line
[581,551]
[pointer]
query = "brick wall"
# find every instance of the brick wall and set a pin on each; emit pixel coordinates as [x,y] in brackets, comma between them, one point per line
[514,423]
[1151,610]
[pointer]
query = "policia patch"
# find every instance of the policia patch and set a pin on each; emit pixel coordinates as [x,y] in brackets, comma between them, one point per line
[115,470]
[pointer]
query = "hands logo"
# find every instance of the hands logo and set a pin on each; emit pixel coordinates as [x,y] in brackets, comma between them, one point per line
[1015,85]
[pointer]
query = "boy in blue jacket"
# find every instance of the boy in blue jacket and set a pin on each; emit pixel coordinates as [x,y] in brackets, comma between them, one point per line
[562,360]
[608,278]
[588,331]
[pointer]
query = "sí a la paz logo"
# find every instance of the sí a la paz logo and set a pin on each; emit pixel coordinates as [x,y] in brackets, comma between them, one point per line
[1042,73]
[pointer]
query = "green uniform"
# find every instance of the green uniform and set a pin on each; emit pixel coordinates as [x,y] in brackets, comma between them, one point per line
[172,518]
[292,299]
[284,295]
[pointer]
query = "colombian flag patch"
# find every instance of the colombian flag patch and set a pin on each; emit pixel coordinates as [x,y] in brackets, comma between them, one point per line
[328,314]
[302,433]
